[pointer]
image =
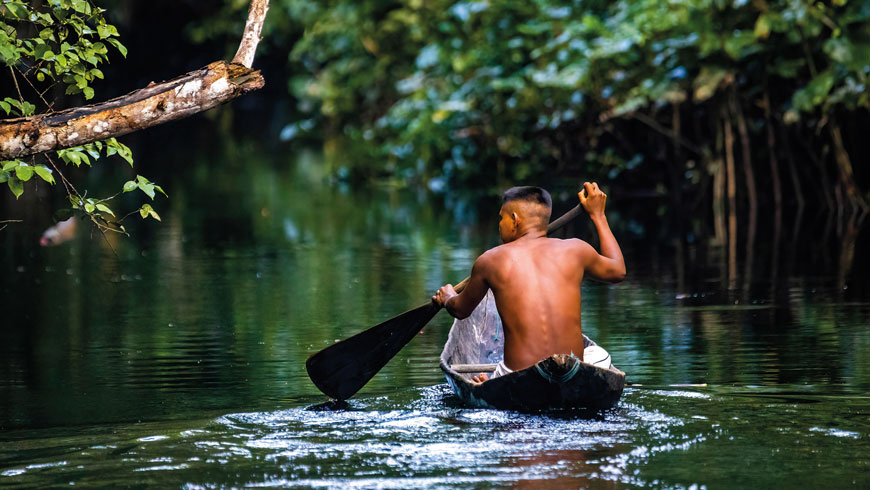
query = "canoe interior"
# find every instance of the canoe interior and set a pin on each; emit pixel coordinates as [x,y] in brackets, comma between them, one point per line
[479,339]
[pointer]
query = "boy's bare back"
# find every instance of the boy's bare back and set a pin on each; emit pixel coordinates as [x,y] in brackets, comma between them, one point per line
[536,284]
[536,280]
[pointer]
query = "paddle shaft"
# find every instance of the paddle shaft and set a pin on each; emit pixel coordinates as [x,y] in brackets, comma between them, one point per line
[344,367]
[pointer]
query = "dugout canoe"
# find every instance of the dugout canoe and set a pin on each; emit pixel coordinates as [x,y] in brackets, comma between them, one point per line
[476,345]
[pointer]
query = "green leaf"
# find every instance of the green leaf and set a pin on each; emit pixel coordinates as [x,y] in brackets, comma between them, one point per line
[787,68]
[146,210]
[81,6]
[147,189]
[10,164]
[27,108]
[534,28]
[16,186]
[125,152]
[814,94]
[130,186]
[120,47]
[89,207]
[70,156]
[46,34]
[9,55]
[92,150]
[45,19]
[89,93]
[17,10]
[762,27]
[840,50]
[4,176]
[24,172]
[708,82]
[740,44]
[15,103]
[45,173]
[102,207]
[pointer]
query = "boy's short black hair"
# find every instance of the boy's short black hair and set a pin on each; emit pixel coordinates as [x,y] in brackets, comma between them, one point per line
[528,193]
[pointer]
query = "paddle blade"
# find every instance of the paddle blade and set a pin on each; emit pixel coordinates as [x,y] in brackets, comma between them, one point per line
[341,369]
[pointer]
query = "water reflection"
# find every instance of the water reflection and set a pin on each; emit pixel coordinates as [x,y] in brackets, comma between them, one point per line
[178,357]
[415,438]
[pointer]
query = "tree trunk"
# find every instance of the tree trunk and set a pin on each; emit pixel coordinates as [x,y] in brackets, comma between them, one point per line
[777,193]
[749,174]
[751,191]
[731,179]
[771,152]
[792,168]
[844,168]
[826,188]
[186,95]
[677,167]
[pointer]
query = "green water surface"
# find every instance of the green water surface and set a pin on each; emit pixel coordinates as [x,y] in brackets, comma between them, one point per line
[176,358]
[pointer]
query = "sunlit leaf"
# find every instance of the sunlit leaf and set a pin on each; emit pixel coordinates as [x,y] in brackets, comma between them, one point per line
[24,172]
[102,207]
[44,173]
[146,210]
[807,98]
[16,186]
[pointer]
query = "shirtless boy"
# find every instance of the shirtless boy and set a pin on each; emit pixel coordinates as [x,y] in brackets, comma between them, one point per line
[536,280]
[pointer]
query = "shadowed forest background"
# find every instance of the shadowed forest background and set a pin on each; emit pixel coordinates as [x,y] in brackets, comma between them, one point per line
[730,137]
[732,122]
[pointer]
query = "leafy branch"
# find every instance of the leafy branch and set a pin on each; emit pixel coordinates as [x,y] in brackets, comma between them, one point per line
[62,42]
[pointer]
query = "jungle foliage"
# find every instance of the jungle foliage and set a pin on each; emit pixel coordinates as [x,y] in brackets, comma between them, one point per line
[52,50]
[449,92]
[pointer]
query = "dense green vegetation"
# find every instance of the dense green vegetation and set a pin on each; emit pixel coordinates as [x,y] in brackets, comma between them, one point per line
[452,91]
[735,104]
[50,50]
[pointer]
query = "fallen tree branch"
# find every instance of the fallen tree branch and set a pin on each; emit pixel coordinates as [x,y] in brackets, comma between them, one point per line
[251,37]
[155,104]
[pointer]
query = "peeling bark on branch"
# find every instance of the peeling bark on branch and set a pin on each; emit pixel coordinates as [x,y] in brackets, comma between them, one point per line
[188,94]
[251,37]
[155,104]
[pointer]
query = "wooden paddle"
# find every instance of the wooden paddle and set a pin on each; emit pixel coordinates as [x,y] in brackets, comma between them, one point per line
[344,367]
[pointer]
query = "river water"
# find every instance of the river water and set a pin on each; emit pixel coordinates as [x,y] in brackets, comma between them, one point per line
[176,358]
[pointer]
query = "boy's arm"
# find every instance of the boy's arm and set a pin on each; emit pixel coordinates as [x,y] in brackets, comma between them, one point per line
[609,265]
[462,304]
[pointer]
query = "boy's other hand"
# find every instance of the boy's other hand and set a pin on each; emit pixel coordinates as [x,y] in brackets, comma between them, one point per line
[594,199]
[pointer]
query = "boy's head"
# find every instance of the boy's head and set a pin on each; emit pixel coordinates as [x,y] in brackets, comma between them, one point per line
[523,207]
